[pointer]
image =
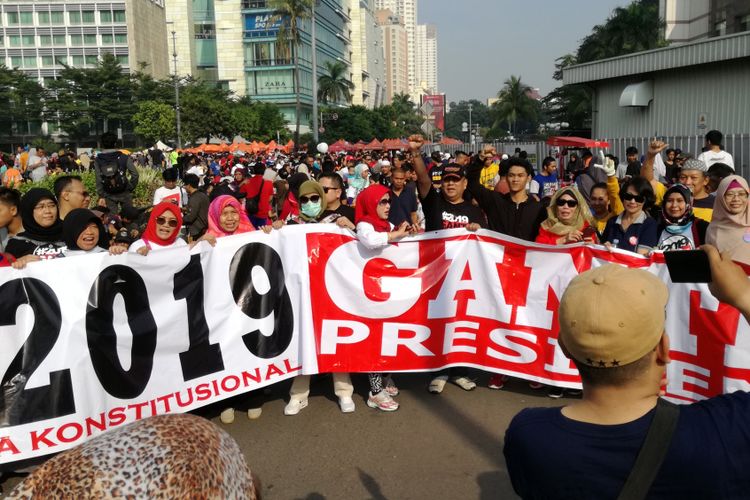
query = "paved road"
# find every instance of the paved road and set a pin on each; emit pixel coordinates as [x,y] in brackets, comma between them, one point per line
[434,447]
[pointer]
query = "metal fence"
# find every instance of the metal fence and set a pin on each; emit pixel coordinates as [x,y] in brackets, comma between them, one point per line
[736,144]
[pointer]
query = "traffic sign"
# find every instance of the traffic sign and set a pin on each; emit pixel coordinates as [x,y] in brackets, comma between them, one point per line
[427,127]
[464,127]
[427,109]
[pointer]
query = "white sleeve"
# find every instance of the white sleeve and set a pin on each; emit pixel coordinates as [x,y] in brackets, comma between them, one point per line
[622,169]
[370,238]
[534,187]
[133,248]
[157,196]
[728,159]
[660,168]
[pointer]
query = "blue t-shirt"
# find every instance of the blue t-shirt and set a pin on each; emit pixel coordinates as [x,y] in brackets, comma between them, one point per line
[551,456]
[403,205]
[546,185]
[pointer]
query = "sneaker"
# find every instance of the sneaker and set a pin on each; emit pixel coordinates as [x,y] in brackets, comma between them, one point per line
[294,406]
[438,384]
[535,385]
[382,401]
[254,413]
[227,416]
[497,381]
[390,387]
[346,404]
[464,383]
[556,392]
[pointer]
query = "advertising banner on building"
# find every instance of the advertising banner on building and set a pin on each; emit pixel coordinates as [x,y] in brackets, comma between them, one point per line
[438,106]
[93,342]
[261,25]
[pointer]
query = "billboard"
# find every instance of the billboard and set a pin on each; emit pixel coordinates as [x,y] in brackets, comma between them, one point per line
[438,105]
[261,25]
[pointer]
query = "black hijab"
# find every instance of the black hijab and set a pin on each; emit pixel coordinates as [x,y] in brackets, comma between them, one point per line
[295,181]
[31,229]
[74,224]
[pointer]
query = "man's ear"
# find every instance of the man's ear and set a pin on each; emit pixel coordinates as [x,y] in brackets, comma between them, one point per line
[662,349]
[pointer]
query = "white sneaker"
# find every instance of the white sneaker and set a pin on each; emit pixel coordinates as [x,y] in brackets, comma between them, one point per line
[227,416]
[382,401]
[294,406]
[390,386]
[254,413]
[465,383]
[438,384]
[347,404]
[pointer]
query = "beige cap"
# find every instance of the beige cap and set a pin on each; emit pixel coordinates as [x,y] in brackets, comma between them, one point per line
[612,315]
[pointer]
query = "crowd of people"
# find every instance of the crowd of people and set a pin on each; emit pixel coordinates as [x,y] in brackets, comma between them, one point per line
[662,201]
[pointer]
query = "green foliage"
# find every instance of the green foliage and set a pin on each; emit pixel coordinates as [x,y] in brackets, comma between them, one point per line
[21,99]
[459,113]
[154,121]
[148,181]
[335,86]
[359,123]
[514,104]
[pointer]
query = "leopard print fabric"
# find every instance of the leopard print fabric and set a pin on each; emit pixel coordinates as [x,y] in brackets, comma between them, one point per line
[169,456]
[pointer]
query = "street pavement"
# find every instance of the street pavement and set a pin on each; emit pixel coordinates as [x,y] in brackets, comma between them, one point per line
[446,446]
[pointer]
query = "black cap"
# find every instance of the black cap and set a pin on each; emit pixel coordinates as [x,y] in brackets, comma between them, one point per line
[453,170]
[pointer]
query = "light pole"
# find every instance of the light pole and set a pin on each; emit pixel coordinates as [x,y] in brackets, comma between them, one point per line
[471,137]
[176,86]
[314,62]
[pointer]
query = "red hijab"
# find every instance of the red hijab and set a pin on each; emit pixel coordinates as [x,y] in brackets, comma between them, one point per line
[367,205]
[149,235]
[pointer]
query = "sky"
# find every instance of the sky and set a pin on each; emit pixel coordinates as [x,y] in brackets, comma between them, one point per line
[481,43]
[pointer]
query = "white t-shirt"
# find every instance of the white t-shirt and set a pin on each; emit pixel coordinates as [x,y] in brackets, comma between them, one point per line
[165,194]
[179,242]
[711,157]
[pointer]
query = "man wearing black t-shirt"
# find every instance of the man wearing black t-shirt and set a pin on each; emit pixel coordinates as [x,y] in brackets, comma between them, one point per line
[337,212]
[444,210]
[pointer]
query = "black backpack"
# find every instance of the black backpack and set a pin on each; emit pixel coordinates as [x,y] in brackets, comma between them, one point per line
[253,204]
[112,173]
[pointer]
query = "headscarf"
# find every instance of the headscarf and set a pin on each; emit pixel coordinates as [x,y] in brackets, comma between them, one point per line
[679,225]
[581,218]
[358,181]
[74,224]
[295,181]
[214,214]
[31,228]
[367,205]
[312,187]
[303,169]
[150,235]
[730,232]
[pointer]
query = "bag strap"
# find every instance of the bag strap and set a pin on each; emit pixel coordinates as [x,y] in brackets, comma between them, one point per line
[652,453]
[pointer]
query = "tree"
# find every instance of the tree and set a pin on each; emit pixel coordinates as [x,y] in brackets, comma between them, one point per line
[335,86]
[514,103]
[154,121]
[205,111]
[21,100]
[481,115]
[290,13]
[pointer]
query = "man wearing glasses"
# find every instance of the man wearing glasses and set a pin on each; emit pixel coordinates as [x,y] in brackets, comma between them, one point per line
[333,187]
[71,194]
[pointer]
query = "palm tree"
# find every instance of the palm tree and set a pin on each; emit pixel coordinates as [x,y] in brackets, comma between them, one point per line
[514,103]
[333,86]
[290,13]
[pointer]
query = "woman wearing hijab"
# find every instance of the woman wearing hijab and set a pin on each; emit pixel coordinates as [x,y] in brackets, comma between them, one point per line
[313,205]
[163,230]
[358,182]
[680,229]
[568,220]
[729,230]
[374,231]
[84,233]
[227,216]
[42,237]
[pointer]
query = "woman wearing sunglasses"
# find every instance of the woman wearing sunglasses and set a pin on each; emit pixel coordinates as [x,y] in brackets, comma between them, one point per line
[374,231]
[568,220]
[729,230]
[633,229]
[163,231]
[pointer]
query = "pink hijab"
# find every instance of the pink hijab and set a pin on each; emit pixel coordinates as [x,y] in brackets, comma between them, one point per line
[214,214]
[730,232]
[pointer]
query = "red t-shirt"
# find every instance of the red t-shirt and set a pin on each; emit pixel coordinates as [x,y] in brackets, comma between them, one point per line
[250,188]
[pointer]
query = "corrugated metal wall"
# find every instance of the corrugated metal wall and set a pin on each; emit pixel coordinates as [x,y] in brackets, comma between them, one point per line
[720,90]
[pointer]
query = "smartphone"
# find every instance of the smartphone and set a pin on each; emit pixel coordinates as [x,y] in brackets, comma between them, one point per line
[688,266]
[589,233]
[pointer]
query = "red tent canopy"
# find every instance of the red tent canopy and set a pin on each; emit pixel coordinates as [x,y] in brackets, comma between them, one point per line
[391,144]
[449,141]
[374,144]
[289,146]
[271,146]
[576,142]
[339,146]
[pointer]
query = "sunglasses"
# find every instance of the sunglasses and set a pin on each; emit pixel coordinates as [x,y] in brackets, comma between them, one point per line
[571,203]
[163,221]
[305,199]
[384,202]
[637,197]
[326,189]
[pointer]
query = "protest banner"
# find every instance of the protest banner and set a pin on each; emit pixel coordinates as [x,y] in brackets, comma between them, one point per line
[89,343]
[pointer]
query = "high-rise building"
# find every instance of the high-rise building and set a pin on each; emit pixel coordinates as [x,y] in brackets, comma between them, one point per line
[691,20]
[235,46]
[396,48]
[367,55]
[406,11]
[427,64]
[38,38]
